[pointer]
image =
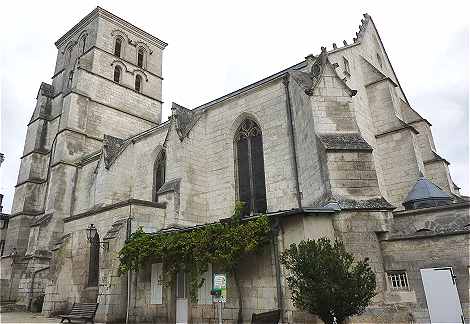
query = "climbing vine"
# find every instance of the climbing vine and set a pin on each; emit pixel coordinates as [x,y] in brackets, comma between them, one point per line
[223,244]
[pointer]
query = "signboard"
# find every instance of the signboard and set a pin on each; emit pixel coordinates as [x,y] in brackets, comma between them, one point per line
[220,282]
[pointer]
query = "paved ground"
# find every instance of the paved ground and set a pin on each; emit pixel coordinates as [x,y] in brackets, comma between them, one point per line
[17,317]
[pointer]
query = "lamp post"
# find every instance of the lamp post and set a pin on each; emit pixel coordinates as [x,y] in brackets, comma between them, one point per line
[91,233]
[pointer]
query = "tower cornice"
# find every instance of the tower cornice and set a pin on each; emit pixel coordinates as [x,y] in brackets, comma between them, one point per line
[99,12]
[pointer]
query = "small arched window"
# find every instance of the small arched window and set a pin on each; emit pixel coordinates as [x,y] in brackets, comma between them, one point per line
[118,47]
[83,43]
[250,167]
[140,57]
[138,83]
[159,173]
[117,74]
[94,264]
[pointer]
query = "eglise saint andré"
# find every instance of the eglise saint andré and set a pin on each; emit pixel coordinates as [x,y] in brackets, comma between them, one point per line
[329,147]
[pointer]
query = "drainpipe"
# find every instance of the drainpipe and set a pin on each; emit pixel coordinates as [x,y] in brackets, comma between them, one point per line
[290,125]
[128,235]
[280,304]
[32,286]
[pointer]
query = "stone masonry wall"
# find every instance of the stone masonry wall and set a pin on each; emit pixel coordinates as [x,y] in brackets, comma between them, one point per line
[412,255]
[311,173]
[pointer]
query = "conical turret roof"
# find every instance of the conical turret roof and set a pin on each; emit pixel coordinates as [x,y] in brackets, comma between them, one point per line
[424,190]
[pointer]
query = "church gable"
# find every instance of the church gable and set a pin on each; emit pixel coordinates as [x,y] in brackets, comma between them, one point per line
[375,53]
[322,78]
[330,95]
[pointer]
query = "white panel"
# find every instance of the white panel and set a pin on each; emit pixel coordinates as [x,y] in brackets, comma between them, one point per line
[204,293]
[181,311]
[156,289]
[441,296]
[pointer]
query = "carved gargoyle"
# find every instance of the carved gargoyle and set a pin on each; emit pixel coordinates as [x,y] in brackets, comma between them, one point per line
[184,119]
[111,148]
[309,80]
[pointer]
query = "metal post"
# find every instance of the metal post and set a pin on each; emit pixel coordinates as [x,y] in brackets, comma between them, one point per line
[220,312]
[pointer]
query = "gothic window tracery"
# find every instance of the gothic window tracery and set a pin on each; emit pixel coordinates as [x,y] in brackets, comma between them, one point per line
[250,168]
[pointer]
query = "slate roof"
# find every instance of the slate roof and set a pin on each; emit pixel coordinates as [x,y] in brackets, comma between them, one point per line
[344,142]
[424,189]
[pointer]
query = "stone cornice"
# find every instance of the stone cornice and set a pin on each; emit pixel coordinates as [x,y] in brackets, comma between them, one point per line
[420,120]
[64,163]
[82,23]
[102,13]
[421,236]
[32,180]
[109,106]
[437,158]
[430,209]
[43,117]
[380,80]
[120,204]
[90,158]
[26,213]
[35,151]
[68,129]
[398,129]
[277,76]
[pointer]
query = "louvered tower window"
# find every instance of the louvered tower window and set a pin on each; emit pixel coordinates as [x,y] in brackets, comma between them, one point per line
[117,74]
[159,171]
[94,265]
[138,83]
[140,57]
[117,47]
[250,167]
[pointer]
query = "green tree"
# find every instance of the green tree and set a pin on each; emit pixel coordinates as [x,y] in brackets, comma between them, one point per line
[326,281]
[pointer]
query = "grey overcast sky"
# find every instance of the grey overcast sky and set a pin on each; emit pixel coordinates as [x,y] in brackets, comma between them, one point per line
[219,46]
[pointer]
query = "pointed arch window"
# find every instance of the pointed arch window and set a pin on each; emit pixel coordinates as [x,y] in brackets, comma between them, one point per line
[94,264]
[138,83]
[118,47]
[117,74]
[159,173]
[250,167]
[140,57]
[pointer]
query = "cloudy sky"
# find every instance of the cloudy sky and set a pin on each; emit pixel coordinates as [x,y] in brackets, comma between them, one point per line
[219,46]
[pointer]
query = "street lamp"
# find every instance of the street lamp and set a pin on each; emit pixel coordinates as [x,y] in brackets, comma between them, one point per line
[91,233]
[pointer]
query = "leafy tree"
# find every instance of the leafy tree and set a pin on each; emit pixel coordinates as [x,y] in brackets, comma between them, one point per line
[325,280]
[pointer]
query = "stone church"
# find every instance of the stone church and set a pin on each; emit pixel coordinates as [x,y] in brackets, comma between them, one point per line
[329,147]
